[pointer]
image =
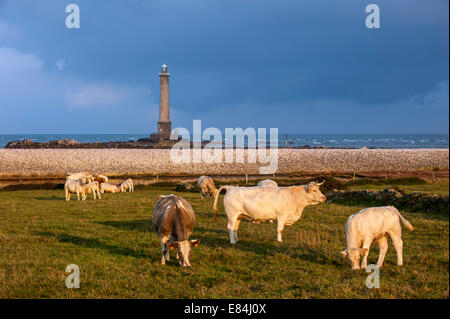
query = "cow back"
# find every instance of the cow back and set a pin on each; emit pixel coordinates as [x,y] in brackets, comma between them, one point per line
[173,217]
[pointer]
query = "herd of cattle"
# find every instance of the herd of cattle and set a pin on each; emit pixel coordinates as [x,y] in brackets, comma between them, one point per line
[174,218]
[85,183]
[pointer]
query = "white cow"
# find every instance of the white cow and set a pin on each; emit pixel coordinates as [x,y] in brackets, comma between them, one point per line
[127,186]
[91,188]
[109,188]
[374,224]
[73,187]
[267,183]
[283,204]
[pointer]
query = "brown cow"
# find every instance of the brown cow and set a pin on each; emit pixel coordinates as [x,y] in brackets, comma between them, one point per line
[207,187]
[173,220]
[100,178]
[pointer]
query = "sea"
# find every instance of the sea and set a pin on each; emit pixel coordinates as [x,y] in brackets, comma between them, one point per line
[293,140]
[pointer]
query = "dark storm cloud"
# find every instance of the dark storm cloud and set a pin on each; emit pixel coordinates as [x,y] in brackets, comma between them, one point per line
[301,57]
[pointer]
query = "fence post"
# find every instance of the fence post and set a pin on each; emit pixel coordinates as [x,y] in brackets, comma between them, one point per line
[246,178]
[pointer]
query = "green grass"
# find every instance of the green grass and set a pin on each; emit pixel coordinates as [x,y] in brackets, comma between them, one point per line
[119,255]
[441,188]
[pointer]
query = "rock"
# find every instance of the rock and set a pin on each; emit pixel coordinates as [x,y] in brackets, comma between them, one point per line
[184,187]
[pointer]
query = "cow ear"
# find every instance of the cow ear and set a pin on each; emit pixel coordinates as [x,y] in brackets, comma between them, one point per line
[344,253]
[173,245]
[195,242]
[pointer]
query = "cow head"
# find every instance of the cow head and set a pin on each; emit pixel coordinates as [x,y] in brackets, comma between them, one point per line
[184,250]
[313,193]
[353,255]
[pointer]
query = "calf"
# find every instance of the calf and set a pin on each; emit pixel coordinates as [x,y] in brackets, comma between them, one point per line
[109,188]
[73,187]
[91,188]
[374,224]
[127,186]
[130,184]
[173,220]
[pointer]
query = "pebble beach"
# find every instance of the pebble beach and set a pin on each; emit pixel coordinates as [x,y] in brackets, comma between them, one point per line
[57,162]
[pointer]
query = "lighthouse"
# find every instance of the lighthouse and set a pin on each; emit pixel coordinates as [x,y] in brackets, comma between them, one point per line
[164,124]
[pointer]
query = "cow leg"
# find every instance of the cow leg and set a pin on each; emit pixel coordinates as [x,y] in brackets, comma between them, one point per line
[280,227]
[232,229]
[98,192]
[236,226]
[398,245]
[383,242]
[366,244]
[78,195]
[165,251]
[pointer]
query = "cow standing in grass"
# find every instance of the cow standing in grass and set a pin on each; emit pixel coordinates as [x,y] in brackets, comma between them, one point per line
[374,224]
[127,186]
[73,187]
[207,187]
[92,188]
[173,220]
[283,204]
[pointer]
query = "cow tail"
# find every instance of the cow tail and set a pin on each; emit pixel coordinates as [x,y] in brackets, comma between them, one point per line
[216,198]
[406,223]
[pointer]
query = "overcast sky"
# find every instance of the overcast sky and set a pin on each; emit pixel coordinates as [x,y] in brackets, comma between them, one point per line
[301,66]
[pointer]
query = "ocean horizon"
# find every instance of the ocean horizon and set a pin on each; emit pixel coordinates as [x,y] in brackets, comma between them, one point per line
[401,141]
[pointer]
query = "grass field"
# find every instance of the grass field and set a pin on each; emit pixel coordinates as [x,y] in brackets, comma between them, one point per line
[437,188]
[113,243]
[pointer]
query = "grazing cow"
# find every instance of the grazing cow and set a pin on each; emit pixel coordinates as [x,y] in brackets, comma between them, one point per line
[207,187]
[127,186]
[283,204]
[173,220]
[268,183]
[109,188]
[92,188]
[374,224]
[73,187]
[100,178]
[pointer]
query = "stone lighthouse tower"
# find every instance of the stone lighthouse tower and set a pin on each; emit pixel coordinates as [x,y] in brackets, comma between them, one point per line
[164,124]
